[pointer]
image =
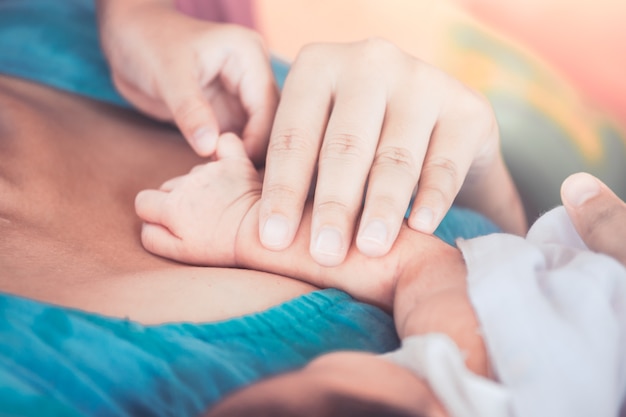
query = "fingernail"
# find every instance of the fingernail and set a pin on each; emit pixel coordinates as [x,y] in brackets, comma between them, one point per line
[577,189]
[424,219]
[329,242]
[275,232]
[205,140]
[375,233]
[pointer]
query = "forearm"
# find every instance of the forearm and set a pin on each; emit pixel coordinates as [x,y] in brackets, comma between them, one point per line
[432,297]
[369,279]
[422,279]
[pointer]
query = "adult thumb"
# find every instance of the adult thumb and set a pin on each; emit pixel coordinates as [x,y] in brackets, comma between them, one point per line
[196,120]
[597,213]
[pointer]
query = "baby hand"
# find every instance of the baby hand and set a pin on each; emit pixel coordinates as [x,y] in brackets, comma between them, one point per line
[207,77]
[195,218]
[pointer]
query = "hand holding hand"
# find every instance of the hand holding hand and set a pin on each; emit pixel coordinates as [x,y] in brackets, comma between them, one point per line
[597,213]
[206,77]
[368,113]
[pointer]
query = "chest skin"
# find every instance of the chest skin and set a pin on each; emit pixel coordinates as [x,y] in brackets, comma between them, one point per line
[69,172]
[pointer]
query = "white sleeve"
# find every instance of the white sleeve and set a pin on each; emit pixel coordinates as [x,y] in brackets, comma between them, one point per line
[553,315]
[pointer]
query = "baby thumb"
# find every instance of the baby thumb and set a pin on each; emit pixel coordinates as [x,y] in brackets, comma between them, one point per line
[597,213]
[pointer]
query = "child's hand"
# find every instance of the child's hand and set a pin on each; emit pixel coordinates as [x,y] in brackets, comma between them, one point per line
[195,218]
[208,78]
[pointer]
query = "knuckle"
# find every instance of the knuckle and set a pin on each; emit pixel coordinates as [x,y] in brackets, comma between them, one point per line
[442,168]
[333,207]
[289,141]
[343,146]
[442,179]
[477,109]
[186,110]
[395,157]
[374,55]
[376,46]
[281,193]
[310,54]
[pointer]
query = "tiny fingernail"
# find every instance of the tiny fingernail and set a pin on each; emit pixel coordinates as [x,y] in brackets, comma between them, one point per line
[275,232]
[205,140]
[329,242]
[375,232]
[579,188]
[424,219]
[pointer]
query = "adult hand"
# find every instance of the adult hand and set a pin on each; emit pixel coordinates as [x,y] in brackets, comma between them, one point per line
[368,113]
[206,77]
[597,213]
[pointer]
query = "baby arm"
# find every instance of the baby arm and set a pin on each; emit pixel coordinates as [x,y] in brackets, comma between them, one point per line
[210,217]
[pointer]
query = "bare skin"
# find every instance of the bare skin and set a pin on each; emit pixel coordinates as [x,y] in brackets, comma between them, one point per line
[422,280]
[69,172]
[348,115]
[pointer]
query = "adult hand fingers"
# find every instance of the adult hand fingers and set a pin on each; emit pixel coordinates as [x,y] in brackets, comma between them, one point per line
[258,92]
[191,112]
[238,59]
[597,213]
[462,128]
[292,153]
[464,163]
[344,163]
[411,115]
[141,100]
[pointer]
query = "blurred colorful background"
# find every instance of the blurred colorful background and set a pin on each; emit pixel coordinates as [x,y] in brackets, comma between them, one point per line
[553,70]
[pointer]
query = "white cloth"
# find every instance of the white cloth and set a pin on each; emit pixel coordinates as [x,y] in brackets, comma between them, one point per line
[553,315]
[437,359]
